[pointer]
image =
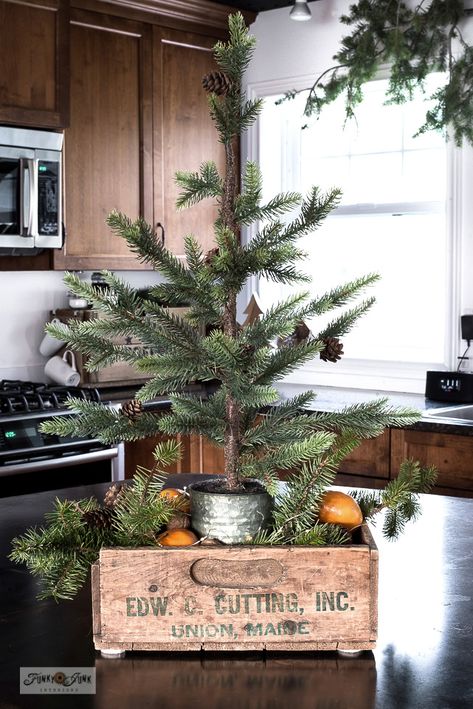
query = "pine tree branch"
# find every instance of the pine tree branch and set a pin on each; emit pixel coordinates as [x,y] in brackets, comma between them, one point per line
[197,186]
[399,499]
[365,420]
[413,42]
[339,296]
[343,324]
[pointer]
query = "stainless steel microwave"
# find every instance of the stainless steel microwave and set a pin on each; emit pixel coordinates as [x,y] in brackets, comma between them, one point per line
[30,189]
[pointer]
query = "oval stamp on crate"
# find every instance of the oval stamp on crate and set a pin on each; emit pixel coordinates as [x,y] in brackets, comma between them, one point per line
[237,574]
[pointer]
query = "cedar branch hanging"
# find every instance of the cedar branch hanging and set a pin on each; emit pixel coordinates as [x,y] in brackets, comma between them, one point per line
[413,42]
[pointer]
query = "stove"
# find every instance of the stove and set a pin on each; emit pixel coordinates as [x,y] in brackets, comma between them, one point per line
[32,461]
[29,397]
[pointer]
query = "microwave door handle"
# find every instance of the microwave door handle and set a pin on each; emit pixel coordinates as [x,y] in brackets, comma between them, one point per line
[24,196]
[30,187]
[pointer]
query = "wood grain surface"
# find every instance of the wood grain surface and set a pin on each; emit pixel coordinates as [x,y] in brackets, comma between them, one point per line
[237,598]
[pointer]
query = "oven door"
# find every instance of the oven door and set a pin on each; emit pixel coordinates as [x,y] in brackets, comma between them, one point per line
[71,469]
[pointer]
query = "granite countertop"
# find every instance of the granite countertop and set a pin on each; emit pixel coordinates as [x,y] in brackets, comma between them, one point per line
[434,414]
[334,398]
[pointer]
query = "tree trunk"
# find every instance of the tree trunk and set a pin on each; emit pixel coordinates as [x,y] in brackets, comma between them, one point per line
[230,328]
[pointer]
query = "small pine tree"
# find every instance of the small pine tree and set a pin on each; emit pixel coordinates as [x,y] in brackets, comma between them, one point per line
[210,344]
[242,358]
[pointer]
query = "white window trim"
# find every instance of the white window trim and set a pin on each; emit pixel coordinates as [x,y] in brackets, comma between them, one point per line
[352,373]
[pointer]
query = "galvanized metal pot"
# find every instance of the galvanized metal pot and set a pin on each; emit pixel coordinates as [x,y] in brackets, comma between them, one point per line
[232,518]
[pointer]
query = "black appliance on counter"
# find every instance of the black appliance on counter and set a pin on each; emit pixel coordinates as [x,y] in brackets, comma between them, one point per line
[31,461]
[452,387]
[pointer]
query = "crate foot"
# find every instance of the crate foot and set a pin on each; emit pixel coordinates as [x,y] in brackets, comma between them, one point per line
[113,654]
[349,653]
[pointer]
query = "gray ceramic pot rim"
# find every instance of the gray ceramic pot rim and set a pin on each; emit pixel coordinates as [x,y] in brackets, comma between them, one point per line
[197,487]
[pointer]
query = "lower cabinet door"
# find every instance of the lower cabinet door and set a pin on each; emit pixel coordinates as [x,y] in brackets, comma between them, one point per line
[451,455]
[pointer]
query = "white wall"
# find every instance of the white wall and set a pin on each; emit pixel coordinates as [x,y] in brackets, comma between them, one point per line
[289,49]
[27,297]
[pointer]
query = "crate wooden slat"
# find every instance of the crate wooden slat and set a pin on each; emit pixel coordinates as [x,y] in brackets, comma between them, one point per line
[237,598]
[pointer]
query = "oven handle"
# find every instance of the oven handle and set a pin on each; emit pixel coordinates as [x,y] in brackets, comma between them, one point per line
[51,464]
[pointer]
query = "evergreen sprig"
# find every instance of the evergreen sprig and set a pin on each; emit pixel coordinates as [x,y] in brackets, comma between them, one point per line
[399,499]
[61,552]
[296,505]
[413,42]
[198,185]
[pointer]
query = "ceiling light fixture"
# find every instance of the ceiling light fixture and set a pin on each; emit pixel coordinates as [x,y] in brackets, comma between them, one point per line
[301,11]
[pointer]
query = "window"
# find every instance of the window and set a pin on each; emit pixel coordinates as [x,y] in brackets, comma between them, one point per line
[393,220]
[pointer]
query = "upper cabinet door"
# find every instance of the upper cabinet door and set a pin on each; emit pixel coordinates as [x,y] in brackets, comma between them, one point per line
[108,154]
[34,60]
[184,134]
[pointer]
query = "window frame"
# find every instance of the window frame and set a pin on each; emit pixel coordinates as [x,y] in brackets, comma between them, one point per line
[383,375]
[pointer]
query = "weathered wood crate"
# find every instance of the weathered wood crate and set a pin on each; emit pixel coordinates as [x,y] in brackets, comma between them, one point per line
[237,598]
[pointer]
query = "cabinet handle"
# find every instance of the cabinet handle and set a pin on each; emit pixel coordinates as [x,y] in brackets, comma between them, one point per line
[163,235]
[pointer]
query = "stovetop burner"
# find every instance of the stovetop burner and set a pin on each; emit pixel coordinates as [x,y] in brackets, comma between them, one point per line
[17,396]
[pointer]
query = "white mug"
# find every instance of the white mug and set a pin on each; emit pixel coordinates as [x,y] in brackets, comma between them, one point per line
[61,371]
[49,345]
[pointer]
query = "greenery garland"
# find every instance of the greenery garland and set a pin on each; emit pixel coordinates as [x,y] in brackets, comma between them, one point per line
[413,43]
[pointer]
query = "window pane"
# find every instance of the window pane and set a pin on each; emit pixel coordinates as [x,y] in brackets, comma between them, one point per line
[375,161]
[407,324]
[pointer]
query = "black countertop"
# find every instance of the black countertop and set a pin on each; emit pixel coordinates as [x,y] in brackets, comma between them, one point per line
[423,658]
[335,398]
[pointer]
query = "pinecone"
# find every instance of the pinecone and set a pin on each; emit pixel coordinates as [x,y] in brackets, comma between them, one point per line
[100,518]
[301,334]
[179,520]
[209,256]
[112,494]
[132,409]
[333,349]
[217,82]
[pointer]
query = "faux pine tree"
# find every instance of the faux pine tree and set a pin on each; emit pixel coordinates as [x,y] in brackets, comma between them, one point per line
[210,344]
[243,359]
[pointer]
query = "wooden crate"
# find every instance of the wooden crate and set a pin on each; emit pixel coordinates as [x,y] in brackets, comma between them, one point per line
[237,598]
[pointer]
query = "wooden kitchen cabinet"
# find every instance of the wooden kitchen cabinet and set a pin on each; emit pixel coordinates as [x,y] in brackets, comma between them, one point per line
[368,464]
[198,455]
[138,114]
[451,455]
[184,134]
[140,453]
[34,63]
[204,457]
[107,150]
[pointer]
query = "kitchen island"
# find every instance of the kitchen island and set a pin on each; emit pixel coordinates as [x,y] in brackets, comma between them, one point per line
[423,657]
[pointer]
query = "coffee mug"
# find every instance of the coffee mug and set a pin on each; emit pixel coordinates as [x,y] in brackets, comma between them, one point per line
[49,345]
[61,371]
